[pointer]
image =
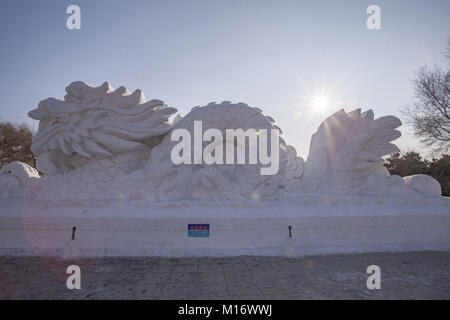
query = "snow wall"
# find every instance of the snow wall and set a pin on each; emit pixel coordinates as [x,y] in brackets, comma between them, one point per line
[103,229]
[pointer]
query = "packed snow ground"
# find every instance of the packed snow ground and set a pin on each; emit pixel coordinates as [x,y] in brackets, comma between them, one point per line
[407,275]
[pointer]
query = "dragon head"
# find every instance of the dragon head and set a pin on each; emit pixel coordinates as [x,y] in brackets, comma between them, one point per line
[95,122]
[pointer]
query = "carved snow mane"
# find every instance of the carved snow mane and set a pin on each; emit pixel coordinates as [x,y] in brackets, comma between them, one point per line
[346,156]
[93,123]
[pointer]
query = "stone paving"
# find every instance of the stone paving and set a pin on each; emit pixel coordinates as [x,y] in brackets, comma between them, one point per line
[407,275]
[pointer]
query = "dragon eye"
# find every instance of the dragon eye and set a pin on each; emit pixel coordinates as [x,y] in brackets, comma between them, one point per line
[62,119]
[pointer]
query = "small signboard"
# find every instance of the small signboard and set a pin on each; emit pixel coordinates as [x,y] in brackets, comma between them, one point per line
[198,230]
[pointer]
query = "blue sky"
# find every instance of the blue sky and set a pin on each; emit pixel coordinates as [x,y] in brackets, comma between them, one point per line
[275,55]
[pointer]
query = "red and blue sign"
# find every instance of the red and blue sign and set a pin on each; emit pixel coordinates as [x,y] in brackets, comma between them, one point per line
[198,230]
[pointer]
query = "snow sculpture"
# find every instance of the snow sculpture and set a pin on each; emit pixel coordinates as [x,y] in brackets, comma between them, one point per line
[14,177]
[345,156]
[100,143]
[95,123]
[221,181]
[92,137]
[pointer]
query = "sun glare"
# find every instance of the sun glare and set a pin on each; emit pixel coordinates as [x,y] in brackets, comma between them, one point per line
[321,103]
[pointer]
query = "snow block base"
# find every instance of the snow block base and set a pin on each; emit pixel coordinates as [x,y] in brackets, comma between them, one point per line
[138,229]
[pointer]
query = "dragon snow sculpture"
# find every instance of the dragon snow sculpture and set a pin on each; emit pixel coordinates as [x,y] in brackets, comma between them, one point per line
[91,124]
[100,143]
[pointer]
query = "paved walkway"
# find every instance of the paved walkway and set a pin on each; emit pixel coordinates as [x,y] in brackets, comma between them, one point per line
[412,275]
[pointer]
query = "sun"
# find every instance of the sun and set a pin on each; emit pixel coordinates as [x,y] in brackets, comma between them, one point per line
[318,101]
[321,103]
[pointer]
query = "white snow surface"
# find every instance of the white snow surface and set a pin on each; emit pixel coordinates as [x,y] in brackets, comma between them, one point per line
[321,224]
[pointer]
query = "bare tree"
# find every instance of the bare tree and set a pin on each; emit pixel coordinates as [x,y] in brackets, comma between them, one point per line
[429,114]
[15,144]
[447,51]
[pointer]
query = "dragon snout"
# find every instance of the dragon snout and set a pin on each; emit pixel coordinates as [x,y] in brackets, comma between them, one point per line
[37,114]
[45,109]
